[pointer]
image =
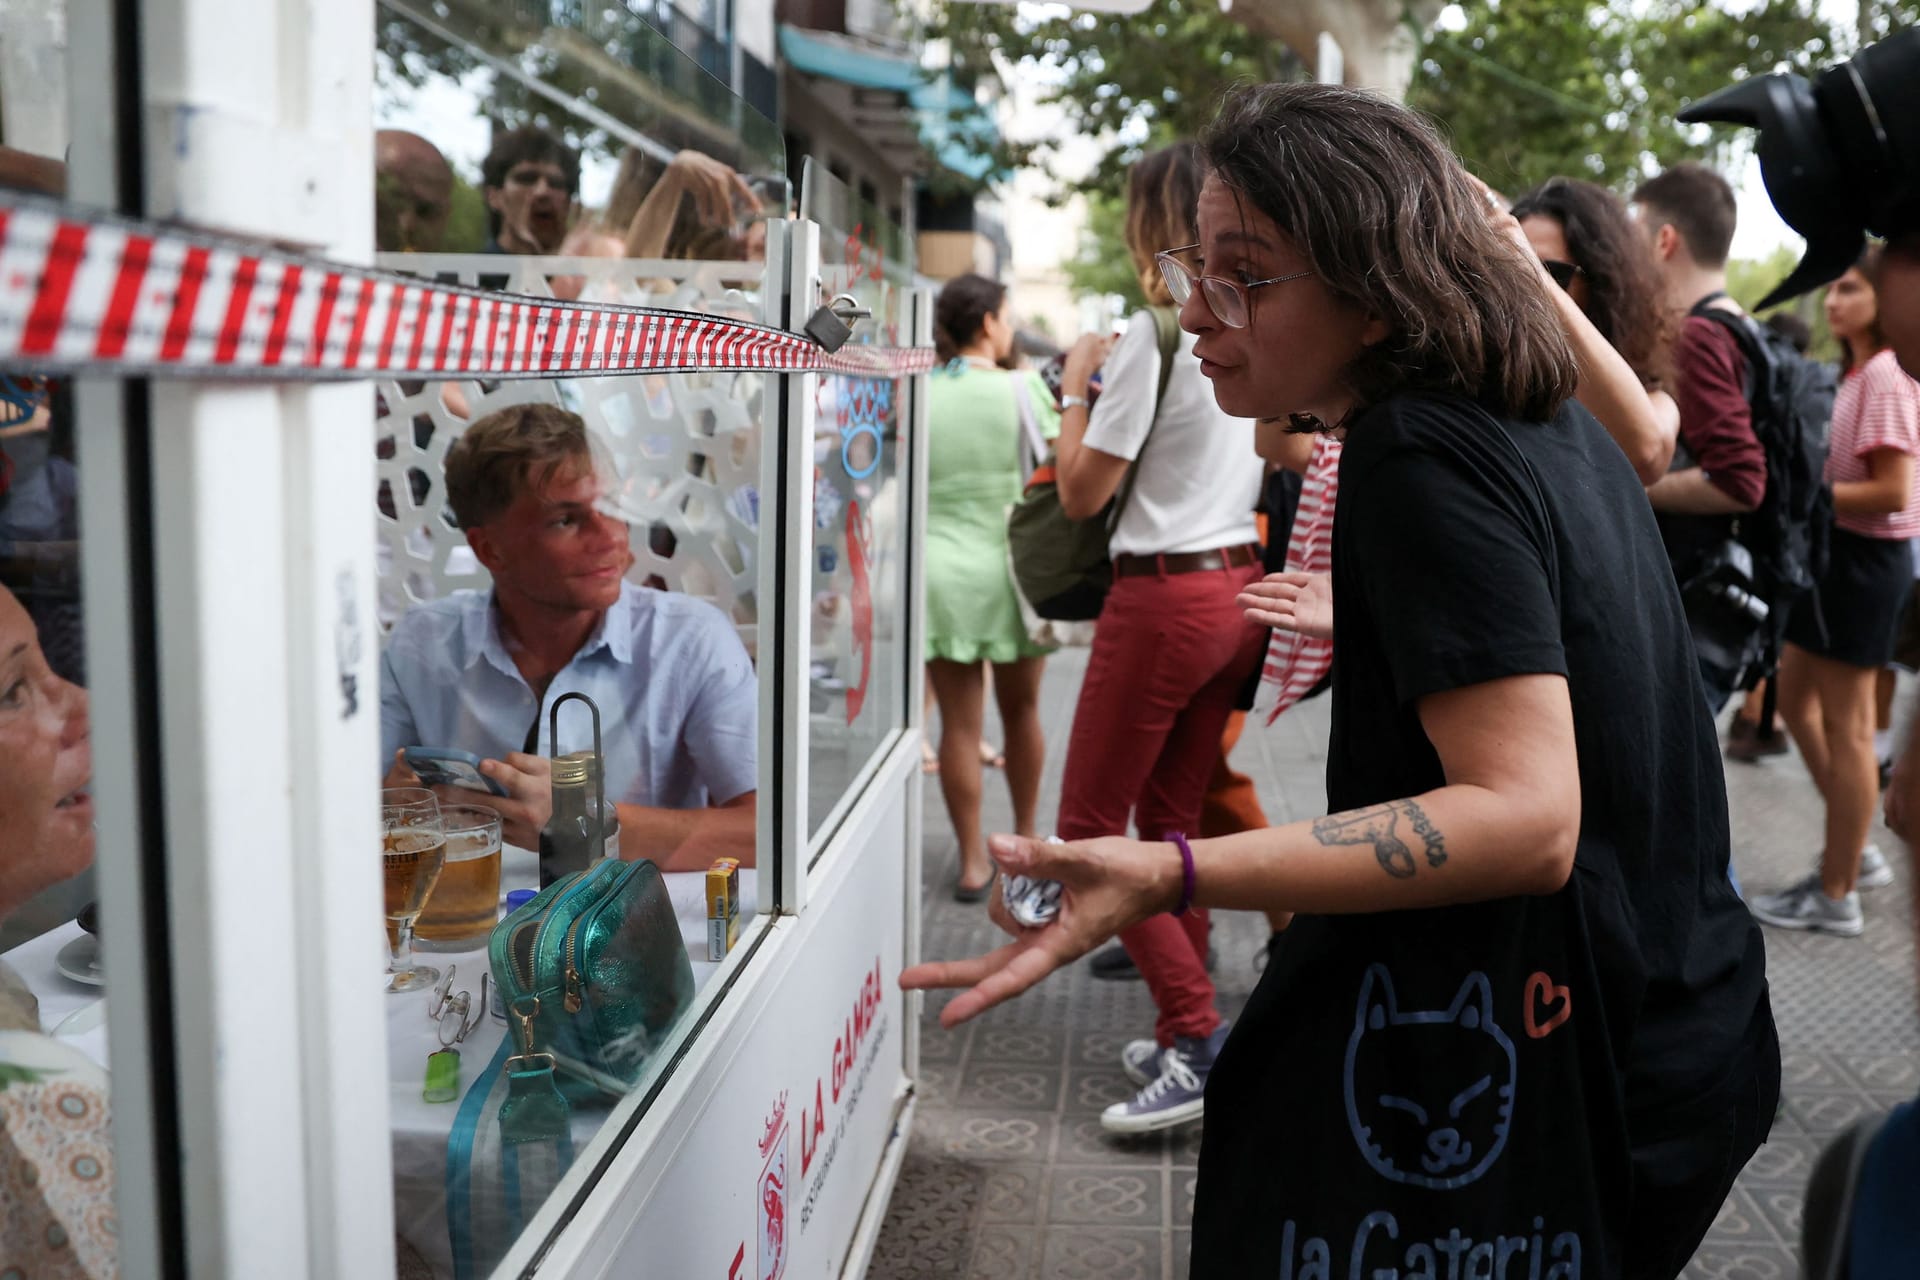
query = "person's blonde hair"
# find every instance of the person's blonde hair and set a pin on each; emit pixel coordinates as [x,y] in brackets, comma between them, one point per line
[1163,191]
[508,452]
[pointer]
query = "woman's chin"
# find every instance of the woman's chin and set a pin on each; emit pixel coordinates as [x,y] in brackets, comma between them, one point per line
[69,845]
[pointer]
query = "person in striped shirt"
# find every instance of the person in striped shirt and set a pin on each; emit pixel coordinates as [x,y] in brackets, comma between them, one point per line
[1839,639]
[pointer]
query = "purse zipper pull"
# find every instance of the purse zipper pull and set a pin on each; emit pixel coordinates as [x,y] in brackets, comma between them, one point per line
[524,1017]
[573,1000]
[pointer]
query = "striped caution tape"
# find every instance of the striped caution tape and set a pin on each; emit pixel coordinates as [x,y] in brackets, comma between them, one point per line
[82,292]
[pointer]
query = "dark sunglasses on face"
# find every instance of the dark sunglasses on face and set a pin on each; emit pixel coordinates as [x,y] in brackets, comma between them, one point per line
[1563,273]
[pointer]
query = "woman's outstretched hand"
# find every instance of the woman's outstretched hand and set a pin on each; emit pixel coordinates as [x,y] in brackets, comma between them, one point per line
[1292,601]
[1109,884]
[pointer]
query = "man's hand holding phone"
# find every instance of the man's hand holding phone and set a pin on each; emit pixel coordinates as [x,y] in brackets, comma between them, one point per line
[520,788]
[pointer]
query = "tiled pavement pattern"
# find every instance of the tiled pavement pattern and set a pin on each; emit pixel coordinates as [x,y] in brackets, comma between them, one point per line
[1009,1176]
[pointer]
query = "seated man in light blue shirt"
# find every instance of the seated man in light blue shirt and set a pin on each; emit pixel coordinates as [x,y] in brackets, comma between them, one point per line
[480,671]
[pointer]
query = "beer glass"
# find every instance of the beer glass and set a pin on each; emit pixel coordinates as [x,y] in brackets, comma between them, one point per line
[413,848]
[466,902]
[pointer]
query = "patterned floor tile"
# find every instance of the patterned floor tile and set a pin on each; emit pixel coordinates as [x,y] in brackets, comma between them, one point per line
[1783,1158]
[1041,1046]
[1091,1092]
[1183,1184]
[983,1137]
[1116,1195]
[1718,1261]
[1082,1140]
[1103,1253]
[993,1087]
[1003,1253]
[1012,1193]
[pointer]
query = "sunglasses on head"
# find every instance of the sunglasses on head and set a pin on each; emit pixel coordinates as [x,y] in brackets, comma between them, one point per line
[1563,273]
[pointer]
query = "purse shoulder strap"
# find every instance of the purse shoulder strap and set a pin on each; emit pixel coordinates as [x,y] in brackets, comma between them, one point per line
[1166,329]
[1034,451]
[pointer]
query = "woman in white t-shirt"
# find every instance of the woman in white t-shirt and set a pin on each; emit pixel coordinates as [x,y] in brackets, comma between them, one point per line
[1172,651]
[1840,637]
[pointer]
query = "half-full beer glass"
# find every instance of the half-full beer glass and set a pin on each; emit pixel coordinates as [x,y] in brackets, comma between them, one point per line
[413,847]
[466,902]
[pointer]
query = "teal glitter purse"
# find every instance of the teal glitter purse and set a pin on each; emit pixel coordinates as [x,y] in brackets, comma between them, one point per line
[593,974]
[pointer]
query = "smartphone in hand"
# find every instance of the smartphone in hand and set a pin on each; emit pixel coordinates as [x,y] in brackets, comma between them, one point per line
[445,766]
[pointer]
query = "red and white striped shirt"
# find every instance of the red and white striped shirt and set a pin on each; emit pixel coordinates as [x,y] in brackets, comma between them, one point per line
[1878,407]
[1295,663]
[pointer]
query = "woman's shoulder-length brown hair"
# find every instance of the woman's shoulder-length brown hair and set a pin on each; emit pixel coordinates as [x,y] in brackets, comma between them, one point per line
[1387,219]
[1162,189]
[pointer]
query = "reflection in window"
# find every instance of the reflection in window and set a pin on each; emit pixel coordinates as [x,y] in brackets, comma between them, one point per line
[859,615]
[56,1159]
[546,538]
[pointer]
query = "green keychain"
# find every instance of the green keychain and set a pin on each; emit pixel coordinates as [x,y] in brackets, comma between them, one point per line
[443,1076]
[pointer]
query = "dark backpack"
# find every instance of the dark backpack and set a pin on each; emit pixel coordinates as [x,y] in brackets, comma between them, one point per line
[1791,400]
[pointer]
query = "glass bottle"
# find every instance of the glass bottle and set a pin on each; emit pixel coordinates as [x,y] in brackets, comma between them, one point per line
[608,823]
[572,839]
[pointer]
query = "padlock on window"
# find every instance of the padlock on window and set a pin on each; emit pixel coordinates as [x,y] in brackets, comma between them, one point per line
[832,325]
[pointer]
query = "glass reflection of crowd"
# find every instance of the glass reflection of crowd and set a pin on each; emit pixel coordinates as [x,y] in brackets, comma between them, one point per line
[662,203]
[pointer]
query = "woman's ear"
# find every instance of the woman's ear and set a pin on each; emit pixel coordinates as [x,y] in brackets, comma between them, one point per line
[1375,332]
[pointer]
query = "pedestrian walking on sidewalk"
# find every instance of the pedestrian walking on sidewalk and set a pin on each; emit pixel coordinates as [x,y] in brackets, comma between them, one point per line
[974,441]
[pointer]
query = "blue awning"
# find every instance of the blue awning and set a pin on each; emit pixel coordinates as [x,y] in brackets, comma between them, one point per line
[954,128]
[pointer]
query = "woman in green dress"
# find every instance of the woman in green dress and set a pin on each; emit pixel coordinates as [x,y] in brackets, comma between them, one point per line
[975,431]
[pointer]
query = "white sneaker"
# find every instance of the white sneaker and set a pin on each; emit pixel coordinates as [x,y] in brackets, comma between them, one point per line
[1806,906]
[1875,873]
[1141,1061]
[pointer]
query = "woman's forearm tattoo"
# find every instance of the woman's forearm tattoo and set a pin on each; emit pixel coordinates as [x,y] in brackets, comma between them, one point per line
[1379,826]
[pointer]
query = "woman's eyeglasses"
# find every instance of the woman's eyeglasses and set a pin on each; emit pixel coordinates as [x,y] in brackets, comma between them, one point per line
[1563,273]
[1226,298]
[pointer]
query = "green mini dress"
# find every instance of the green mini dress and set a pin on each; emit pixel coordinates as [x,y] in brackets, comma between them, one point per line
[973,476]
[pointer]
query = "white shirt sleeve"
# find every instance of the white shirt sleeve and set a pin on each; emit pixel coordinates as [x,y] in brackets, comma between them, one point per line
[1124,414]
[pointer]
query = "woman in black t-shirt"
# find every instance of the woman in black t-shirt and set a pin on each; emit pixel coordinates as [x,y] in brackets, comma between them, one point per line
[1520,1025]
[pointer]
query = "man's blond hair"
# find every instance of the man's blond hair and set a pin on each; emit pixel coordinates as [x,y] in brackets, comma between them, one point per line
[506,453]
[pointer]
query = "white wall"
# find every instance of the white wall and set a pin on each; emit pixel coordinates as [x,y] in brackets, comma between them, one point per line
[753,28]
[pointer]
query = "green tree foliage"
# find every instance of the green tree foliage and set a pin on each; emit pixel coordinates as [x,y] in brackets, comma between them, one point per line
[1750,279]
[1533,88]
[1137,82]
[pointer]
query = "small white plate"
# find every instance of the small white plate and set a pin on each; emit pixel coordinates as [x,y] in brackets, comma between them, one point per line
[87,1017]
[80,960]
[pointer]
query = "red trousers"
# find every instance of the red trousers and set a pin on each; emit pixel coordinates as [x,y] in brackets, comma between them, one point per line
[1170,657]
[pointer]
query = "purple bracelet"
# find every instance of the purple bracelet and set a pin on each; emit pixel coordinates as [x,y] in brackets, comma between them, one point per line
[1179,839]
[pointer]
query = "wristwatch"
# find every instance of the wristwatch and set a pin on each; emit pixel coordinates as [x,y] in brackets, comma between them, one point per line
[1069,402]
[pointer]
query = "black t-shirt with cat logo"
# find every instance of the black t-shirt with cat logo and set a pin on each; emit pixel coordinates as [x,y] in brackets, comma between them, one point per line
[1456,1092]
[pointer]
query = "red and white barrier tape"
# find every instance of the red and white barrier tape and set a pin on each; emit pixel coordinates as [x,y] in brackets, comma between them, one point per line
[90,293]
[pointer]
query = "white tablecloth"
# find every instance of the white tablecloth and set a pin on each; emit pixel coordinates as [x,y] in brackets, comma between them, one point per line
[420,1128]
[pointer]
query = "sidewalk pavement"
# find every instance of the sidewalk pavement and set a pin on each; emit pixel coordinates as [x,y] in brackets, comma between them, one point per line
[1009,1176]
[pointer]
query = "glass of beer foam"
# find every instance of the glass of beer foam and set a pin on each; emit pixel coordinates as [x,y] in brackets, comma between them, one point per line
[466,903]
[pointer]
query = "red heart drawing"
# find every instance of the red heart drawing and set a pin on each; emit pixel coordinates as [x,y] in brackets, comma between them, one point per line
[1541,996]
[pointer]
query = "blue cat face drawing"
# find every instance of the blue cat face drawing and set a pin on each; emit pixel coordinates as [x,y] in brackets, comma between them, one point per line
[1429,1095]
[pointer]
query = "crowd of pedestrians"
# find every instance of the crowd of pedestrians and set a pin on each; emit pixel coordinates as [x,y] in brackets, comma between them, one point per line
[1561,498]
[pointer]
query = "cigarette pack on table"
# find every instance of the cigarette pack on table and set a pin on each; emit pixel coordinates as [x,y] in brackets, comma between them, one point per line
[723,907]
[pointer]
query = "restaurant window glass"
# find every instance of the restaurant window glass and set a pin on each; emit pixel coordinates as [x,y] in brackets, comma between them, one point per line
[860,598]
[546,537]
[57,1174]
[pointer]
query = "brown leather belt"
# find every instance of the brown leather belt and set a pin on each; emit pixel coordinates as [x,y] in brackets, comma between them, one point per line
[1127,565]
